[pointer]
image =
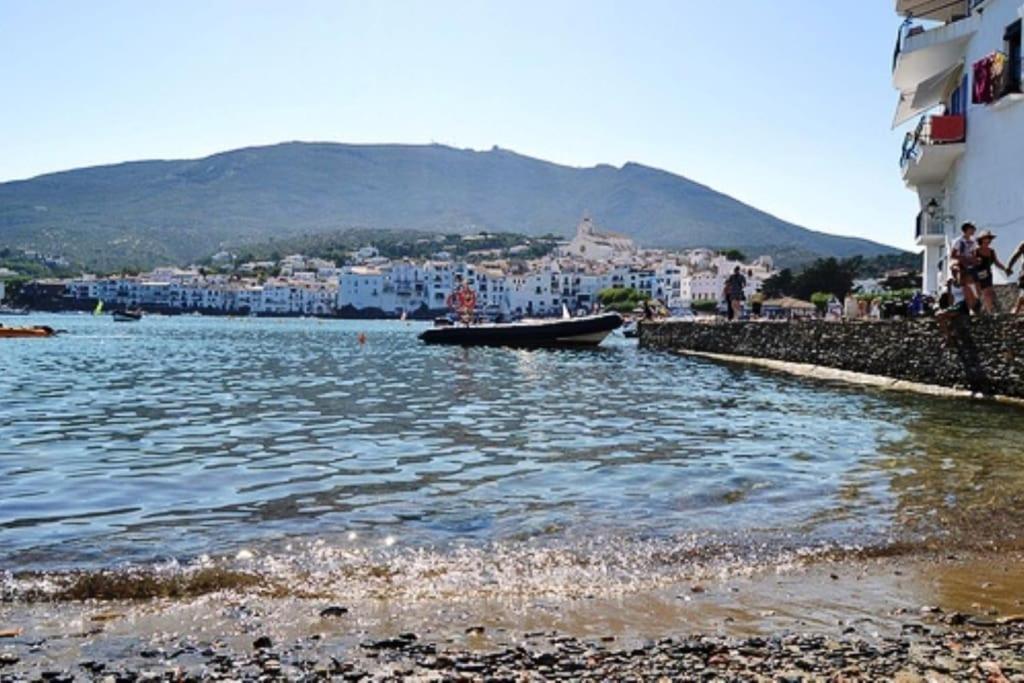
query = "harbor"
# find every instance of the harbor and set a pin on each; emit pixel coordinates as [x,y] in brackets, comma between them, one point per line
[494,342]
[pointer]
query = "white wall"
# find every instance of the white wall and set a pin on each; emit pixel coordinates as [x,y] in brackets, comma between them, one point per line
[986,185]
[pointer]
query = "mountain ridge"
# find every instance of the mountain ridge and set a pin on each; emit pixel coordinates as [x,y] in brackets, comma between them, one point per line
[175,210]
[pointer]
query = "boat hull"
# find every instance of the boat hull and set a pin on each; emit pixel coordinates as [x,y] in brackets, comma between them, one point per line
[587,331]
[26,332]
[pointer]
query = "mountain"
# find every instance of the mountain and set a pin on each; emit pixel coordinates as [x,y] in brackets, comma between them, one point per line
[146,212]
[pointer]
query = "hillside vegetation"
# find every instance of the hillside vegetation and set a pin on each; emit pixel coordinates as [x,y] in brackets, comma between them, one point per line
[148,212]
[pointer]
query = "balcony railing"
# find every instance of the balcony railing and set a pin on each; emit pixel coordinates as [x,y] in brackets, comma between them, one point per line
[929,226]
[954,10]
[933,130]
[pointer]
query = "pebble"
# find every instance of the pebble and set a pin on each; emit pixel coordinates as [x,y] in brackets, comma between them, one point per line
[333,611]
[262,643]
[921,654]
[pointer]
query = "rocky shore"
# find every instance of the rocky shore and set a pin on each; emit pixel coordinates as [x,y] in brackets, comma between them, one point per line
[937,647]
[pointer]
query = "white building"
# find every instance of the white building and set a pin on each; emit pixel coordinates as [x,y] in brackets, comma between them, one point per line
[592,244]
[705,281]
[958,67]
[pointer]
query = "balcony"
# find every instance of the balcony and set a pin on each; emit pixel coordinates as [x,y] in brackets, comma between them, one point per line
[922,53]
[928,63]
[931,150]
[929,231]
[937,10]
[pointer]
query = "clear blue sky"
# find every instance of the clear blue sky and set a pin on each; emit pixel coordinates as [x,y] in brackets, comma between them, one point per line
[784,104]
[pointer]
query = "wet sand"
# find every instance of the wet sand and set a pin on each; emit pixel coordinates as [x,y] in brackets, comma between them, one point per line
[875,613]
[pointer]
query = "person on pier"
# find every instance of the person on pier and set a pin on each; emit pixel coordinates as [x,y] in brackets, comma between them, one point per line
[964,253]
[734,293]
[985,260]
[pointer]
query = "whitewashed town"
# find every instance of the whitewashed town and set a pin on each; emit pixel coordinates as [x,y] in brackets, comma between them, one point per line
[372,285]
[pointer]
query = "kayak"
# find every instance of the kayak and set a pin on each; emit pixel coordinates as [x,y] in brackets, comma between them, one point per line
[35,331]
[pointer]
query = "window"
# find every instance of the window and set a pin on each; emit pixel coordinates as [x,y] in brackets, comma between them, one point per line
[1013,54]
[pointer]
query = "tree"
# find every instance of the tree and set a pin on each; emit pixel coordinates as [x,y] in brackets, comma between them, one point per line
[820,300]
[825,275]
[778,285]
[621,299]
[734,255]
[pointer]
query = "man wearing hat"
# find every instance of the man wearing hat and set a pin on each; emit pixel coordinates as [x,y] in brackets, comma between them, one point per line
[985,260]
[964,255]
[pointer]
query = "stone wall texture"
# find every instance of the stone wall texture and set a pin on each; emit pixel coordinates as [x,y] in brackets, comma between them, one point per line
[984,355]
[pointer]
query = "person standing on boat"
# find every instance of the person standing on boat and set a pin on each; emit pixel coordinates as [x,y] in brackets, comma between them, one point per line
[734,293]
[462,301]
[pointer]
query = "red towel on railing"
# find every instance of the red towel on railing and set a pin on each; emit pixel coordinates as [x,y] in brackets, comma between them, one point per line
[981,93]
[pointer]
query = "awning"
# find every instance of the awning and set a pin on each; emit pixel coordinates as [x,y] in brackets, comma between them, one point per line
[790,303]
[928,94]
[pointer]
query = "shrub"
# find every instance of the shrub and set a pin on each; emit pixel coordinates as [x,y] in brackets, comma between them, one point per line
[820,300]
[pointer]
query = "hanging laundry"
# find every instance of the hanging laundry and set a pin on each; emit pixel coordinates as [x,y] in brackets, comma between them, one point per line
[981,92]
[1000,76]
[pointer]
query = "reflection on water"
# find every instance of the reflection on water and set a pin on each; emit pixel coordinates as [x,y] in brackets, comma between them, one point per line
[957,476]
[179,437]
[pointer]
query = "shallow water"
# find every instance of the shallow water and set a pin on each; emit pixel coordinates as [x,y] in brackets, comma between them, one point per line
[178,438]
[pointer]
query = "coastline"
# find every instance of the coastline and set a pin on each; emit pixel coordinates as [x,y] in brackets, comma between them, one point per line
[828,374]
[957,616]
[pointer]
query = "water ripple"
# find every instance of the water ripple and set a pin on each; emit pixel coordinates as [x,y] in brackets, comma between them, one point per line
[178,437]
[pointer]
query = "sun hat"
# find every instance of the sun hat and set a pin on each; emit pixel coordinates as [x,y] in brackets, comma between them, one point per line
[985,235]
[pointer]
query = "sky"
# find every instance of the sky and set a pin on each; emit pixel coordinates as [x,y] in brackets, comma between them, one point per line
[783,104]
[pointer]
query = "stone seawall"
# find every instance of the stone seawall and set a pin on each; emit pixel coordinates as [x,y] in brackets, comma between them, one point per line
[983,356]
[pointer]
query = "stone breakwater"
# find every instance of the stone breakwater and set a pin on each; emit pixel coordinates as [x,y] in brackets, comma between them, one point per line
[982,356]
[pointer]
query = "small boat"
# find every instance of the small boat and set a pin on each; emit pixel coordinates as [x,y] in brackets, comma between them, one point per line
[127,316]
[19,332]
[631,330]
[586,331]
[7,310]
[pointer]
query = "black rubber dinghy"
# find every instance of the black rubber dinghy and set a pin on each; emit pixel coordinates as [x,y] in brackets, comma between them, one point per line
[590,330]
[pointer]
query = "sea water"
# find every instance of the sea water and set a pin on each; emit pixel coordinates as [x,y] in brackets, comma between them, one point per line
[290,448]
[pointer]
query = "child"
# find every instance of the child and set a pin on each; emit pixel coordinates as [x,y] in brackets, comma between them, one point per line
[954,305]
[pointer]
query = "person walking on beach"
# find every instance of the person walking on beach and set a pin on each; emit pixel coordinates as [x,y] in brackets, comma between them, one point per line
[1018,254]
[985,260]
[734,294]
[964,254]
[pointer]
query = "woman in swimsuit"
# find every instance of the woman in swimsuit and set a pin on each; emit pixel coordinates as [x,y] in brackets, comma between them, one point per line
[983,276]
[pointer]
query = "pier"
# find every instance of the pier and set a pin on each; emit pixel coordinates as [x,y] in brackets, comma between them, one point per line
[983,356]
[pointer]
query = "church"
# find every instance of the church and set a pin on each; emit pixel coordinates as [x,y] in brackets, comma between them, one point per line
[591,244]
